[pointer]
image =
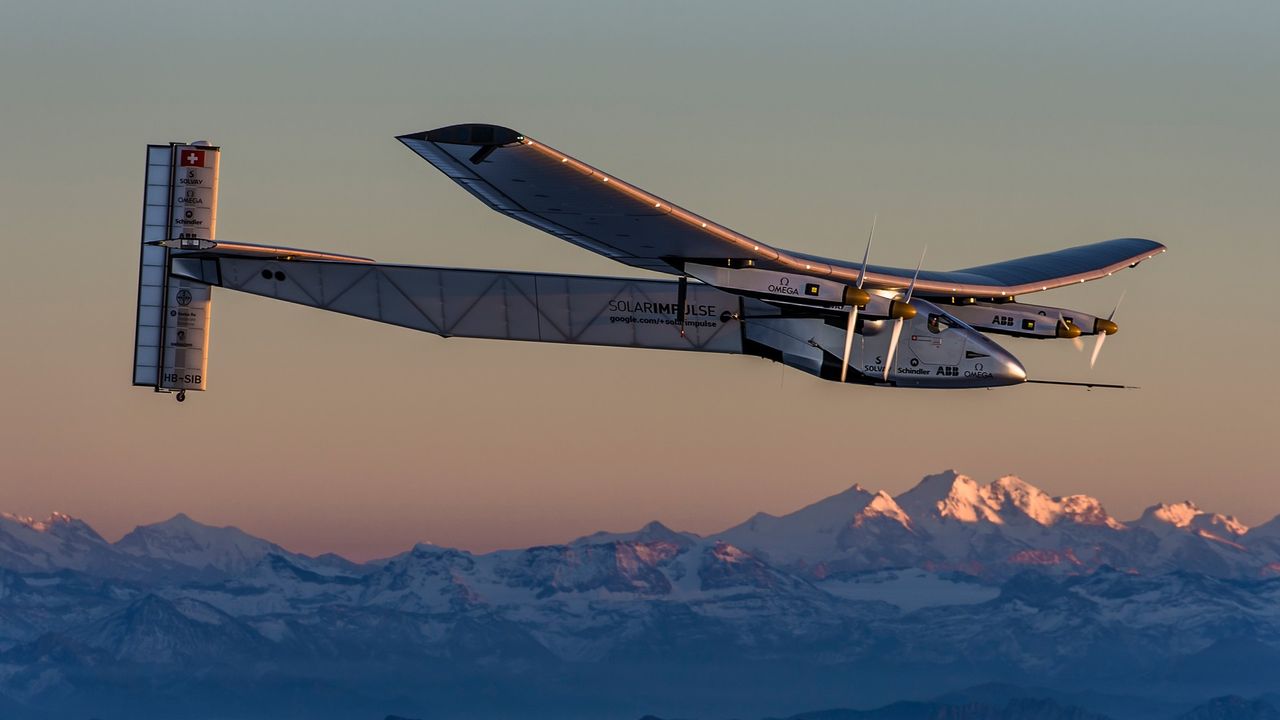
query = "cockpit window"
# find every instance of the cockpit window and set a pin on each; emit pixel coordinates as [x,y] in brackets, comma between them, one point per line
[938,323]
[950,321]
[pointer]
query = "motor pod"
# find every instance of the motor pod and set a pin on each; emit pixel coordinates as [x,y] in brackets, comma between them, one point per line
[1068,329]
[856,296]
[902,310]
[1105,327]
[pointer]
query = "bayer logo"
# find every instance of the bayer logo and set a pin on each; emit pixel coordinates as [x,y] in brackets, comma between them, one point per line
[184,297]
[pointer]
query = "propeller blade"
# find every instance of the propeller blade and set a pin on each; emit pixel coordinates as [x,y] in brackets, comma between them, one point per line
[853,311]
[1097,348]
[897,324]
[1078,342]
[1066,329]
[893,347]
[912,288]
[1102,337]
[862,276]
[848,342]
[1115,309]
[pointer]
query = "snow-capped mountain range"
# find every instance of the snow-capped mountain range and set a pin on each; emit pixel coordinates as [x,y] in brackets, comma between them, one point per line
[965,580]
[951,522]
[948,522]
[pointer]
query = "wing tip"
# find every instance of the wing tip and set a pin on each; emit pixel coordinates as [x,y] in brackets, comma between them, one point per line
[479,134]
[1149,247]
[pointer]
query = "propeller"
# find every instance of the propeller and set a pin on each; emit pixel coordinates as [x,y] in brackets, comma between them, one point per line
[1104,330]
[897,323]
[1067,329]
[853,306]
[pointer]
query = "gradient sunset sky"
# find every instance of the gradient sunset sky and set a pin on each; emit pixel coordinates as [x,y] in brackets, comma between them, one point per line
[987,130]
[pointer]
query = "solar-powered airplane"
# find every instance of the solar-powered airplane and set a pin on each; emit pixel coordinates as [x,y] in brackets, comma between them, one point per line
[846,321]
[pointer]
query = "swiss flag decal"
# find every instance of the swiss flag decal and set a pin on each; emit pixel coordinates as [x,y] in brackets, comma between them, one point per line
[192,158]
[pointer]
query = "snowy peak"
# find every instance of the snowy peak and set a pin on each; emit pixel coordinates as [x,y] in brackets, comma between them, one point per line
[882,506]
[653,532]
[657,533]
[25,520]
[1085,510]
[1219,524]
[1186,516]
[830,512]
[939,518]
[951,496]
[32,523]
[1011,493]
[968,502]
[805,535]
[187,542]
[1178,515]
[58,542]
[58,525]
[726,567]
[1014,492]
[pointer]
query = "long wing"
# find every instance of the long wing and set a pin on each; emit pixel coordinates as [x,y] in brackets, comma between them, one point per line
[556,193]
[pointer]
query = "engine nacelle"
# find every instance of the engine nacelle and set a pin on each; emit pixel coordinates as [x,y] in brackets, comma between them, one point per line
[1033,321]
[775,286]
[899,309]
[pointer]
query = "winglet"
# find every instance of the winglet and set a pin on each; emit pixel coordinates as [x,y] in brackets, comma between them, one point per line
[468,134]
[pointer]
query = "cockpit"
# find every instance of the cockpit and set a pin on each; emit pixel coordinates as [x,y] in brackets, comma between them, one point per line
[939,321]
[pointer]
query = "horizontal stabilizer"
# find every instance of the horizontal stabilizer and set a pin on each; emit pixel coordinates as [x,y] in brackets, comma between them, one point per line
[223,248]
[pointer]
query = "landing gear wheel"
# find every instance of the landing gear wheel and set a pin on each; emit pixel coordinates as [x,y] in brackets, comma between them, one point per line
[182,396]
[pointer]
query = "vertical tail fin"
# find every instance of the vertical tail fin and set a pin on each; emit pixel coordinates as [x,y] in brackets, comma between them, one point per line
[171,343]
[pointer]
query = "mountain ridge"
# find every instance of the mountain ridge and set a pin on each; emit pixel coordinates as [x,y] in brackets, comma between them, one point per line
[946,522]
[830,606]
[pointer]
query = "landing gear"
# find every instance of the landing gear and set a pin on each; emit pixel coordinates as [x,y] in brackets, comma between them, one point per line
[182,396]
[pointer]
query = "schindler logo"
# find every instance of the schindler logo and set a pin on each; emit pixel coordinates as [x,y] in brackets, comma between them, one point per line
[188,218]
[783,287]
